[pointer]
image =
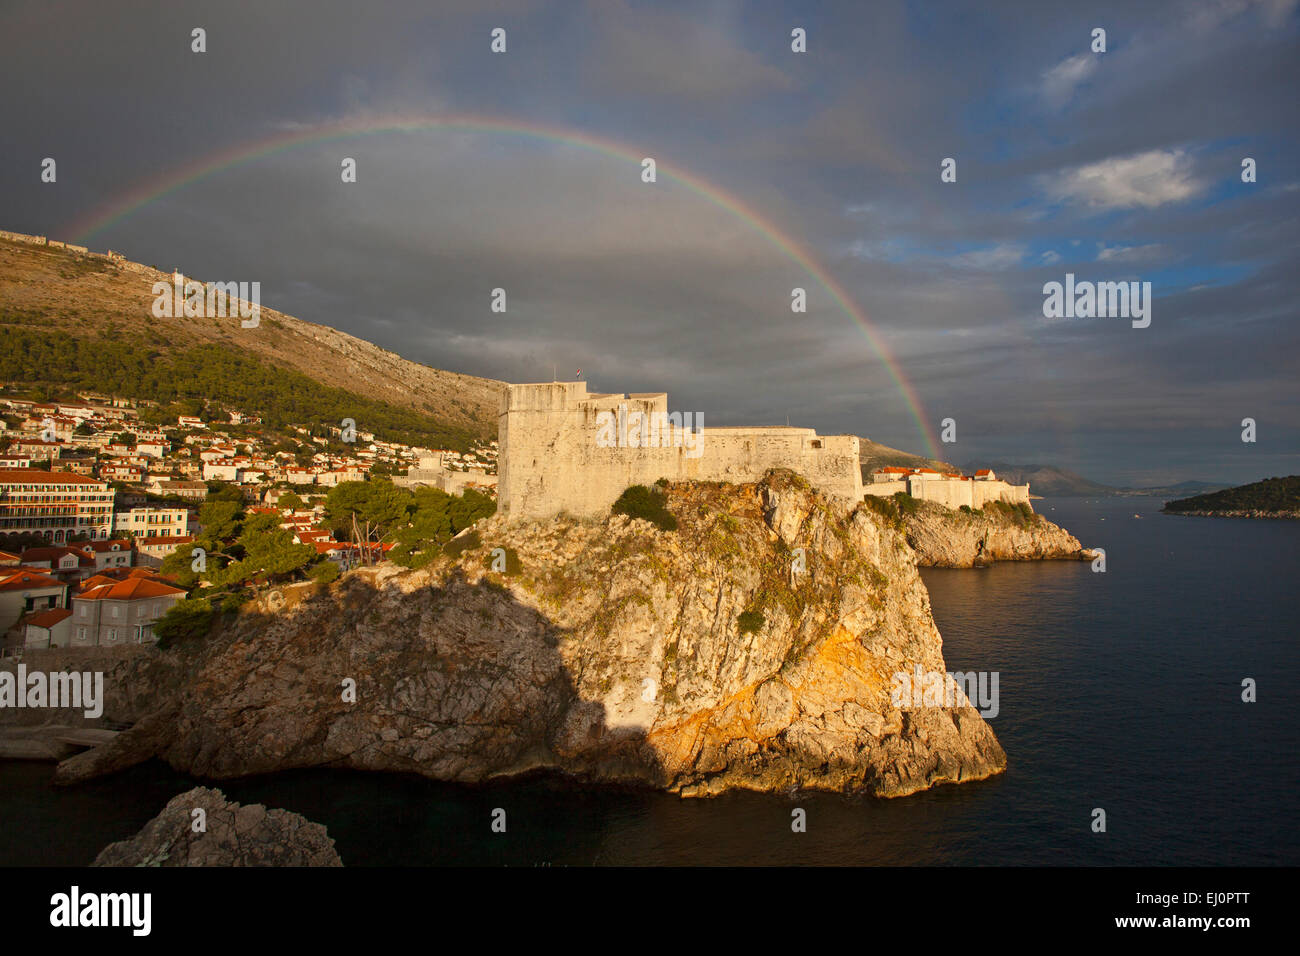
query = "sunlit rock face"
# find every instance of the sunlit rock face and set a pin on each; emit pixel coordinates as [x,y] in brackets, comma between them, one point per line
[755,646]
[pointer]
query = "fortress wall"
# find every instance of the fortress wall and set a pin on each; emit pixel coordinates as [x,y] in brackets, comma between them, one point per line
[986,491]
[41,241]
[950,494]
[556,452]
[884,489]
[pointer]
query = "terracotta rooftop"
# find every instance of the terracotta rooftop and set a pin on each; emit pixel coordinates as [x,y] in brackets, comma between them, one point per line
[48,618]
[30,476]
[132,589]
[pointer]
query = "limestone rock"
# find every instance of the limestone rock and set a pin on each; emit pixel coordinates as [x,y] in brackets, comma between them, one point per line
[234,835]
[944,538]
[697,661]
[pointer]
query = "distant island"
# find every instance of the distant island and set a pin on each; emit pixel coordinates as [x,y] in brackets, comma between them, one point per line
[1270,498]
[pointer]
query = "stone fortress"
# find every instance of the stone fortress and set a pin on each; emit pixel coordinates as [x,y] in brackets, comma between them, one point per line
[563,449]
[948,489]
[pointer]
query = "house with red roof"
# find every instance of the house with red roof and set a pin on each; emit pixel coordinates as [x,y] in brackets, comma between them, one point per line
[24,589]
[66,564]
[121,612]
[52,628]
[113,553]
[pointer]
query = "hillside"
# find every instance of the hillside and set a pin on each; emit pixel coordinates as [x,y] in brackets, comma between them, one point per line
[1050,482]
[1270,498]
[875,455]
[46,291]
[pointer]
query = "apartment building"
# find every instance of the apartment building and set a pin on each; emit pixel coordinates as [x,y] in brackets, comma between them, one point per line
[153,522]
[54,505]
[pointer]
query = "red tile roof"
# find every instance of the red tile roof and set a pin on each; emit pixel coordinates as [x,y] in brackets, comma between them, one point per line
[106,545]
[131,589]
[48,618]
[20,579]
[31,476]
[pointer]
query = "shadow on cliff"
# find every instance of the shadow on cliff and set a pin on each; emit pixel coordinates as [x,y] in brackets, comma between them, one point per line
[455,682]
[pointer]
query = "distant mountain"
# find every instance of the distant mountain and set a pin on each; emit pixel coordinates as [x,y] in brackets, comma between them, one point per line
[1047,481]
[1052,482]
[48,294]
[1270,498]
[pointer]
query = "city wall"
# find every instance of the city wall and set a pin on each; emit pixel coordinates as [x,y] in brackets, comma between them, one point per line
[563,449]
[952,492]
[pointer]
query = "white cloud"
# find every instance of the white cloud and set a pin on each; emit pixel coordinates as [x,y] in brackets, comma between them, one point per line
[1060,82]
[1148,179]
[1001,256]
[1050,257]
[1144,253]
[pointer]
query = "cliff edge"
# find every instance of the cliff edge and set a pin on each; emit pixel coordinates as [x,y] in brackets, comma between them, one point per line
[944,538]
[755,646]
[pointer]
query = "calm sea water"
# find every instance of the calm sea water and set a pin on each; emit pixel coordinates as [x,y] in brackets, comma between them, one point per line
[1119,690]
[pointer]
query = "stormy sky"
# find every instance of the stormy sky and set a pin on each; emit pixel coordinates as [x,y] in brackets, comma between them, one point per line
[1117,166]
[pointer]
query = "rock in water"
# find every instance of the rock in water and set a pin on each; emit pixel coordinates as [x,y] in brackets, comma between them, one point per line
[756,646]
[233,836]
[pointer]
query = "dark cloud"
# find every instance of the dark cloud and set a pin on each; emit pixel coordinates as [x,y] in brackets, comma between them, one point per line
[1124,164]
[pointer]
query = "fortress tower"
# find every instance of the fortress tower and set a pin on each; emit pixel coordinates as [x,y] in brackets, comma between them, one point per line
[563,449]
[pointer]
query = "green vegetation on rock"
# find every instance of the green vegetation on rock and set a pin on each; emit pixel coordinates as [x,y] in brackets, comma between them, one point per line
[1270,496]
[649,504]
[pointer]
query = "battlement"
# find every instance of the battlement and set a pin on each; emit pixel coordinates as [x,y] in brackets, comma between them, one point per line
[564,449]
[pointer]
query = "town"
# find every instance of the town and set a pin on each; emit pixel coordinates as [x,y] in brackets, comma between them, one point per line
[111,509]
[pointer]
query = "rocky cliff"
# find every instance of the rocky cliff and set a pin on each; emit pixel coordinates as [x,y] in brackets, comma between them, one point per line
[231,835]
[944,538]
[753,647]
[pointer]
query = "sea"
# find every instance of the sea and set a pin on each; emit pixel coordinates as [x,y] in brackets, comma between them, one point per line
[1120,702]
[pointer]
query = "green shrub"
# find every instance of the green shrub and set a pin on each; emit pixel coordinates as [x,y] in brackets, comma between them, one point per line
[184,620]
[513,565]
[649,504]
[325,572]
[234,600]
[887,508]
[466,542]
[1019,514]
[751,621]
[906,503]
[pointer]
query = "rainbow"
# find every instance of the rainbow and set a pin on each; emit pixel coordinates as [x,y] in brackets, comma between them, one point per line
[121,207]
